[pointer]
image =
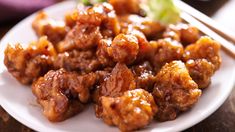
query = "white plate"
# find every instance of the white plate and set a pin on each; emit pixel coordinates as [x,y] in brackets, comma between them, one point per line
[20,103]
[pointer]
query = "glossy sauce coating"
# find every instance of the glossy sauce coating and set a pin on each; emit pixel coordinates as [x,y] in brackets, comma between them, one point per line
[131,111]
[201,71]
[205,48]
[133,69]
[62,94]
[174,91]
[44,26]
[27,64]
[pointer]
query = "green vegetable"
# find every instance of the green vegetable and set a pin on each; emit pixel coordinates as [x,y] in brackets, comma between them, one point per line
[159,10]
[92,2]
[162,10]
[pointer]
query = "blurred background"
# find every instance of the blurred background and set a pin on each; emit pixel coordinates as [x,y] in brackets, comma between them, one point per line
[222,11]
[11,11]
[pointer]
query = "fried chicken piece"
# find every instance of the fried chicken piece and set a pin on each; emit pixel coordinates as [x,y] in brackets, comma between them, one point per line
[145,25]
[144,46]
[174,91]
[71,17]
[28,64]
[165,51]
[133,110]
[62,94]
[201,71]
[120,80]
[102,15]
[110,26]
[95,14]
[94,23]
[102,75]
[122,7]
[102,53]
[55,30]
[82,37]
[144,76]
[84,61]
[204,48]
[124,48]
[184,33]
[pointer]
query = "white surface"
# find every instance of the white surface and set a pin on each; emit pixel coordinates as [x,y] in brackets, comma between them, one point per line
[226,16]
[19,102]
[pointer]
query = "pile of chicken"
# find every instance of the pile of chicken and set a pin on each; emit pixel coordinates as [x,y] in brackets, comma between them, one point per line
[132,69]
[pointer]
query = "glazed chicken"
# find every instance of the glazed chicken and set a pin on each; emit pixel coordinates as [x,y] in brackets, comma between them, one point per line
[126,7]
[44,26]
[150,28]
[124,48]
[174,91]
[133,110]
[201,71]
[82,36]
[205,48]
[184,33]
[165,51]
[120,80]
[144,76]
[102,53]
[75,60]
[27,64]
[63,94]
[131,68]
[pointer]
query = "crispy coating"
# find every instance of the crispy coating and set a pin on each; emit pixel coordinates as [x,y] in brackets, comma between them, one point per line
[94,15]
[102,53]
[128,65]
[28,64]
[144,76]
[120,80]
[201,71]
[165,51]
[122,7]
[204,48]
[102,15]
[174,91]
[131,111]
[124,48]
[129,48]
[110,26]
[148,27]
[55,30]
[71,17]
[84,61]
[62,94]
[82,37]
[115,84]
[144,46]
[184,33]
[102,75]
